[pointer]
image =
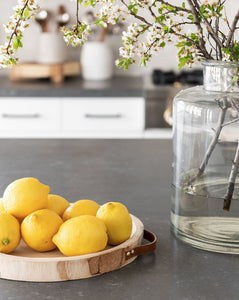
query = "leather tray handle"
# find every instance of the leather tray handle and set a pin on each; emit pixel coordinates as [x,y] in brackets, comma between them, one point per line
[143,249]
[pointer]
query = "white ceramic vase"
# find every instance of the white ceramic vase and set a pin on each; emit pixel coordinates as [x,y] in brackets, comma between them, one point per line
[51,48]
[96,61]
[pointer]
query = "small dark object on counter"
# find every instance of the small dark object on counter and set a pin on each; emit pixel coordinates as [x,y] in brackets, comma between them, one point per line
[193,77]
[161,77]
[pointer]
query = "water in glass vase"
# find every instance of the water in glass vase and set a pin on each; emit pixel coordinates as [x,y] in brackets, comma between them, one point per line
[200,220]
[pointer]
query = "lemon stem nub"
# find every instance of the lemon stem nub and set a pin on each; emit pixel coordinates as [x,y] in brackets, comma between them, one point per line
[5,242]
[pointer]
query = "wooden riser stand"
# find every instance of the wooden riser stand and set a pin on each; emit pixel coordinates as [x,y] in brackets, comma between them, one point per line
[56,72]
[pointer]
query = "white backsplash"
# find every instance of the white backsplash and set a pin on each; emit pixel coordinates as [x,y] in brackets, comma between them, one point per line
[165,60]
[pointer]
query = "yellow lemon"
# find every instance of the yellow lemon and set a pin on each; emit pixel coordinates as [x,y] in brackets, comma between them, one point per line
[117,220]
[25,195]
[81,235]
[57,204]
[81,207]
[2,209]
[9,233]
[39,227]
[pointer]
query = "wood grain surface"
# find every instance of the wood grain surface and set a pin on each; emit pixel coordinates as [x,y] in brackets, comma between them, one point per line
[55,72]
[26,264]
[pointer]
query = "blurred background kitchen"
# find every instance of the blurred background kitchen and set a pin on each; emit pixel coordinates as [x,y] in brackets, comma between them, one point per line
[61,91]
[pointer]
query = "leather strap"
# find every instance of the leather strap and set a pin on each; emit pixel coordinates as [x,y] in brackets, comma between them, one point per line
[143,249]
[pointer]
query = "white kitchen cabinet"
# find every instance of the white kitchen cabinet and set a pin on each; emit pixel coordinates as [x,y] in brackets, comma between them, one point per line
[103,115]
[27,117]
[71,117]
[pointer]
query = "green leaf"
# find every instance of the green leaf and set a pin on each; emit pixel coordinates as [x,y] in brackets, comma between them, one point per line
[194,37]
[26,12]
[191,17]
[135,10]
[236,49]
[202,8]
[69,42]
[235,78]
[15,44]
[181,44]
[160,19]
[12,61]
[153,4]
[182,62]
[131,6]
[181,51]
[183,5]
[169,7]
[125,62]
[120,64]
[165,28]
[19,42]
[143,62]
[226,50]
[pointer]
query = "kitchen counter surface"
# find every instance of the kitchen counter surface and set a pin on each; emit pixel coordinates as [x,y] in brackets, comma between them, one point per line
[123,86]
[119,86]
[137,173]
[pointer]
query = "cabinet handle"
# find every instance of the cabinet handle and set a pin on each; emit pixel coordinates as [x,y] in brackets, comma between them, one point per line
[103,116]
[21,116]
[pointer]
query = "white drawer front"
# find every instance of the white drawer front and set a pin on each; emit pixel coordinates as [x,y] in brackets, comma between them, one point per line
[29,115]
[90,114]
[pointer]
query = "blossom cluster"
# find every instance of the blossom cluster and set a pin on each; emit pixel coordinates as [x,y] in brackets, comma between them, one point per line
[77,34]
[111,14]
[142,3]
[24,11]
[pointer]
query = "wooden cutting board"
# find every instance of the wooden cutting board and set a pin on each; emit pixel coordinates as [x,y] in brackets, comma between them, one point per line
[26,264]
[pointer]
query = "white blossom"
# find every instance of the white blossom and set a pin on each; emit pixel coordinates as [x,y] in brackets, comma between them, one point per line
[111,14]
[76,35]
[142,3]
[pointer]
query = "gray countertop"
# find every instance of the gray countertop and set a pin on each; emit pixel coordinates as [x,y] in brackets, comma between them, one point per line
[137,173]
[119,86]
[123,86]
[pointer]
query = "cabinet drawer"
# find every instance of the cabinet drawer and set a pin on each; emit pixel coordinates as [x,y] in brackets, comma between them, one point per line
[111,114]
[29,115]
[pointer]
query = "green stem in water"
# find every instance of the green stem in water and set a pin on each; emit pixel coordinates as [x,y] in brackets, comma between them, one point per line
[5,242]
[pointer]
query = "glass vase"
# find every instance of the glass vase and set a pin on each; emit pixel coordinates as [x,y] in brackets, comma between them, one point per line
[205,198]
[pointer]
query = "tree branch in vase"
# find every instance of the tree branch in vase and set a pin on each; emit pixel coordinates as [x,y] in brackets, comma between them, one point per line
[223,109]
[231,181]
[223,104]
[235,166]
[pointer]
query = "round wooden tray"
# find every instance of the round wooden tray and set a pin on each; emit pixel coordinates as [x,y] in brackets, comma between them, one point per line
[26,264]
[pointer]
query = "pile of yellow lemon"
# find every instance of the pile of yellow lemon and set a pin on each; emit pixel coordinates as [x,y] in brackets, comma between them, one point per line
[46,221]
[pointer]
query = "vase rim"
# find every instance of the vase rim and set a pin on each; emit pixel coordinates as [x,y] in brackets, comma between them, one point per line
[220,63]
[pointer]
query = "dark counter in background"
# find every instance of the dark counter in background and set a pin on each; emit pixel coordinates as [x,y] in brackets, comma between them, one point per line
[73,87]
[137,173]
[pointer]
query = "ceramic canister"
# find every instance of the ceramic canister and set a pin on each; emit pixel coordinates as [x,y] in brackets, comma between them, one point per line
[96,61]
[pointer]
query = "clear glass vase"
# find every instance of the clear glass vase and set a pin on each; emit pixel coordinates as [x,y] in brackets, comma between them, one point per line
[205,200]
